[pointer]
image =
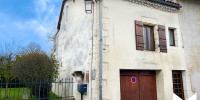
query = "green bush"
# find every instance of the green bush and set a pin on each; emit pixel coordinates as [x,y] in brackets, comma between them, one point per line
[36,67]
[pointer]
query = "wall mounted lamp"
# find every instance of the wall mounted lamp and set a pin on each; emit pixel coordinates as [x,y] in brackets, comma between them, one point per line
[88,6]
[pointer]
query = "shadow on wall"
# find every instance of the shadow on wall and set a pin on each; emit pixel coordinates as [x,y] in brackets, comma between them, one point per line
[194,67]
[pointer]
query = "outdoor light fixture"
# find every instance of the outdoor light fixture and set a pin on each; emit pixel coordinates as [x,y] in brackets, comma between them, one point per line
[78,76]
[88,6]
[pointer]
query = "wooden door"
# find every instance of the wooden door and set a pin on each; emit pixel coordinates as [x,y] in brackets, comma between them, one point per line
[147,80]
[143,89]
[129,90]
[178,84]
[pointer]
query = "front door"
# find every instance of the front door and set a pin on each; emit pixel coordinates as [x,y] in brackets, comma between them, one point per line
[138,85]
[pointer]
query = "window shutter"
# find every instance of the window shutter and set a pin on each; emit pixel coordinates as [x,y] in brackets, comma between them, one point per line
[139,35]
[162,38]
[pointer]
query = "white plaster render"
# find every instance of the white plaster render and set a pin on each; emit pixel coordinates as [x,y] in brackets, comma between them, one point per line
[74,42]
[190,28]
[122,54]
[75,50]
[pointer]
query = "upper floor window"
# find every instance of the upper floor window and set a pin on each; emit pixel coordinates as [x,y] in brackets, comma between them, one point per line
[171,37]
[149,38]
[66,14]
[145,37]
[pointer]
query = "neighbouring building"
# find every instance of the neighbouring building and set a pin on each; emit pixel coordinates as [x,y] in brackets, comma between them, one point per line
[189,16]
[130,49]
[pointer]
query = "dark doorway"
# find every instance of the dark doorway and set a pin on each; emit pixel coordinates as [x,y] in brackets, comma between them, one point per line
[178,84]
[138,85]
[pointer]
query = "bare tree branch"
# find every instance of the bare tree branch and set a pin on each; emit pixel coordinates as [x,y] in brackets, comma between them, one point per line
[32,48]
[10,49]
[51,34]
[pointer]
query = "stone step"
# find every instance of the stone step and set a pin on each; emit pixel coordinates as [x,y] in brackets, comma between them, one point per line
[68,99]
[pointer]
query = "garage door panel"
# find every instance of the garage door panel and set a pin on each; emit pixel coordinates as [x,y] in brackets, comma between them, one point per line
[143,89]
[129,90]
[147,87]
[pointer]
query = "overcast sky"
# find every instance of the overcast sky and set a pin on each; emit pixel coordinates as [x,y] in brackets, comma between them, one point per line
[28,21]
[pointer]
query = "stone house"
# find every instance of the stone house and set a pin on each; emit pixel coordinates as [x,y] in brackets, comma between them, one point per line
[129,49]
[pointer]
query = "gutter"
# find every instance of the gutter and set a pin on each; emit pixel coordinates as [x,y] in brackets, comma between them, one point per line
[61,11]
[60,17]
[90,84]
[56,34]
[100,67]
[169,3]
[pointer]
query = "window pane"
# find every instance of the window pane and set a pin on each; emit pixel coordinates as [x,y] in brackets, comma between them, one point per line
[148,38]
[150,33]
[171,37]
[174,76]
[177,84]
[145,39]
[175,80]
[179,81]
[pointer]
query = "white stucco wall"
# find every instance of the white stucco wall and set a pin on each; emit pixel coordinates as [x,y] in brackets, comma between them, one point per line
[120,47]
[74,41]
[190,27]
[74,46]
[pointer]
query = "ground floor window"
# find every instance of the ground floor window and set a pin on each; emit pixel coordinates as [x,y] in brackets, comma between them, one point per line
[178,84]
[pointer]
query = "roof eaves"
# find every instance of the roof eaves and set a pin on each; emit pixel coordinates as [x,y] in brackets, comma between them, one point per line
[169,3]
[61,11]
[60,17]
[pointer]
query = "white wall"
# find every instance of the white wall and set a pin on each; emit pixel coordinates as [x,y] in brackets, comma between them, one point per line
[74,41]
[120,47]
[190,27]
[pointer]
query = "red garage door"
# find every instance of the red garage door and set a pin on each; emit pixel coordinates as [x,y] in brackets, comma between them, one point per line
[138,85]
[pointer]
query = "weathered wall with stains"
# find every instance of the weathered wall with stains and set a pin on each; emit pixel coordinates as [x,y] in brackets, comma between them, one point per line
[73,42]
[120,48]
[190,28]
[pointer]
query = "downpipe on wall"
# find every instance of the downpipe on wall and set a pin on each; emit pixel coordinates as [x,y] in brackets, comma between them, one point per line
[90,84]
[100,67]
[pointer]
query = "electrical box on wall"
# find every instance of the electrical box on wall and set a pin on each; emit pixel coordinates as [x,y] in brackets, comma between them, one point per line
[82,88]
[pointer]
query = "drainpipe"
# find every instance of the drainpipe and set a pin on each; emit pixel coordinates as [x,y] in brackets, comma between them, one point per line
[90,85]
[100,67]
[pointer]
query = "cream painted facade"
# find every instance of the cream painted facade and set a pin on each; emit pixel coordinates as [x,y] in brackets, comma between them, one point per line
[77,46]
